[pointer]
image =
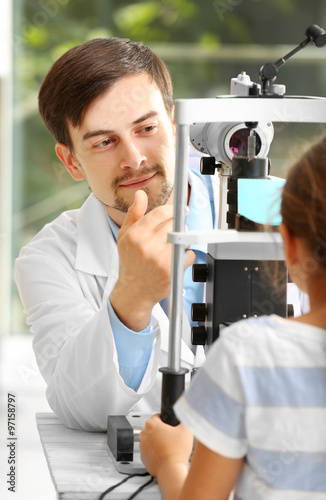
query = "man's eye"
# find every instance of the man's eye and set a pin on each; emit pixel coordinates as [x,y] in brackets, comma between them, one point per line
[104,143]
[149,128]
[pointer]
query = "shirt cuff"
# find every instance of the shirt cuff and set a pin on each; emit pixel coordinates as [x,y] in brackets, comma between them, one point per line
[133,348]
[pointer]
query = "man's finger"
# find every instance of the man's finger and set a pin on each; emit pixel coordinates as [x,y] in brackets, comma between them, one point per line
[136,211]
[190,258]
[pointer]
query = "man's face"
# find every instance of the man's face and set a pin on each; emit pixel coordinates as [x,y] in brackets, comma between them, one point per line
[125,143]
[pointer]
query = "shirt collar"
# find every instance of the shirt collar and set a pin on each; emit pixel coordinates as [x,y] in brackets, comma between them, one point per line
[200,215]
[114,228]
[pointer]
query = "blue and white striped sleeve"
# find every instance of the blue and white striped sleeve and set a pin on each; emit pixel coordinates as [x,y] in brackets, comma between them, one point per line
[213,407]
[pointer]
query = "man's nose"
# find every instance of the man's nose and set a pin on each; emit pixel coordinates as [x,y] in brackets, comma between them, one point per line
[131,156]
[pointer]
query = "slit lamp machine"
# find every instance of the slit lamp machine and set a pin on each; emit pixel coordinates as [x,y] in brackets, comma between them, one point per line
[234,133]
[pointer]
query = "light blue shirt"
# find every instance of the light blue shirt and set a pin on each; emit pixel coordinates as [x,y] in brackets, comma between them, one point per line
[134,348]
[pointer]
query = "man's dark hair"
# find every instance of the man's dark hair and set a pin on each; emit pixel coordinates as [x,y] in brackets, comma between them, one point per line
[88,71]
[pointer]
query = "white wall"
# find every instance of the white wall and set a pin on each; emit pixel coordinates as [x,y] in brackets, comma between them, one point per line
[6,46]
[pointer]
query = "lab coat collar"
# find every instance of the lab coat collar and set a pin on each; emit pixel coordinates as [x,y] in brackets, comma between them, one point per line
[97,252]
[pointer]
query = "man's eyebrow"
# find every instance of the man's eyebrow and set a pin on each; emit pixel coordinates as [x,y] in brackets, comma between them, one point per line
[94,133]
[148,115]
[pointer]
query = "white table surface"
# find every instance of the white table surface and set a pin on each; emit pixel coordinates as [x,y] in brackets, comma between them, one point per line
[80,465]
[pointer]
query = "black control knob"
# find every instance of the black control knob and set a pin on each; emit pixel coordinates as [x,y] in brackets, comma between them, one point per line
[199,273]
[290,310]
[198,312]
[198,335]
[207,165]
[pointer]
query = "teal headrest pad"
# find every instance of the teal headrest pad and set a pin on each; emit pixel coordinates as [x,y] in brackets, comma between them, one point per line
[260,199]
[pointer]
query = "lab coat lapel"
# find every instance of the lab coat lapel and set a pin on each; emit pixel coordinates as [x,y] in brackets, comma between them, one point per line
[97,252]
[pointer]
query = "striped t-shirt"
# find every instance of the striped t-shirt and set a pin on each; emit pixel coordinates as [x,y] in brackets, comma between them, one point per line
[262,394]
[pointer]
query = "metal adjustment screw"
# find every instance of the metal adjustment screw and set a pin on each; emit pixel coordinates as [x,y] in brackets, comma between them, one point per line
[256,269]
[244,316]
[245,269]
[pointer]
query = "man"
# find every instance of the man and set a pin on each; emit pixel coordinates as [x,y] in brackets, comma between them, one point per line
[95,282]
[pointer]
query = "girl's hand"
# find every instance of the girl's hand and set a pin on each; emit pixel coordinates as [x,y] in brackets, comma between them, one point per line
[163,446]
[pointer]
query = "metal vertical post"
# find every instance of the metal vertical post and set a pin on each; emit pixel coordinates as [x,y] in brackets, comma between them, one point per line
[178,251]
[173,375]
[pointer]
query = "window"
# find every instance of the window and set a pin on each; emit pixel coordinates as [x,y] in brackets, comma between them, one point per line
[204,44]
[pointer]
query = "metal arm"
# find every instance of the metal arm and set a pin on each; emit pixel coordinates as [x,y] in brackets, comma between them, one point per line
[268,72]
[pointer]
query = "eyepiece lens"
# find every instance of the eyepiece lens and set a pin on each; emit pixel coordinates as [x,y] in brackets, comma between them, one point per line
[238,143]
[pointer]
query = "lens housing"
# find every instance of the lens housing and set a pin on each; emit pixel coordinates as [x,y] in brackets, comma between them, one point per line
[225,140]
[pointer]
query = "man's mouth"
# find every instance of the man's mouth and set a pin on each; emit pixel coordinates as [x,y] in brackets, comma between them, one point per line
[138,182]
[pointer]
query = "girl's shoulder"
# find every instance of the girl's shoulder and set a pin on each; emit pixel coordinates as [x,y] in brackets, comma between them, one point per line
[272,339]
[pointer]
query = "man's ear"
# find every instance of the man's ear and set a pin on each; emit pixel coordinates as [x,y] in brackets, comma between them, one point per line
[290,242]
[173,123]
[172,112]
[64,154]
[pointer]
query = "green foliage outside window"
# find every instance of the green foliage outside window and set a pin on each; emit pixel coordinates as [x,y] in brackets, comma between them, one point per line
[186,33]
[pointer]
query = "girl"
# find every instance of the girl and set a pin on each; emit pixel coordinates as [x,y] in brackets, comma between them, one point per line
[257,407]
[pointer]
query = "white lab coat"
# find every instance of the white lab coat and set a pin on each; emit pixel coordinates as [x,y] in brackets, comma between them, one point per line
[65,276]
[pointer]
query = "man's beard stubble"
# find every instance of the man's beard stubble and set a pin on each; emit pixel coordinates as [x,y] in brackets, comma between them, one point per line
[161,198]
[122,205]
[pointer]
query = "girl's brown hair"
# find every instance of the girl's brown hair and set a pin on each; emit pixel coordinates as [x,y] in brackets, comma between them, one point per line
[88,71]
[303,206]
